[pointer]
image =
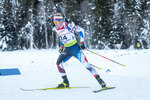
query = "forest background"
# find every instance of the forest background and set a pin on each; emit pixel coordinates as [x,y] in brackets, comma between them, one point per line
[108,24]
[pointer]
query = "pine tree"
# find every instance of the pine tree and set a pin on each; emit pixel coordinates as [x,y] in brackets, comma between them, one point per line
[9,35]
[103,24]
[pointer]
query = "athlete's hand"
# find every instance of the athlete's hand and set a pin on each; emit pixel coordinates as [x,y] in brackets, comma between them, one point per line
[61,49]
[82,46]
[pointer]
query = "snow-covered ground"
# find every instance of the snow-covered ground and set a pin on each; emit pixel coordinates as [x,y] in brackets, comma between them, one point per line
[38,70]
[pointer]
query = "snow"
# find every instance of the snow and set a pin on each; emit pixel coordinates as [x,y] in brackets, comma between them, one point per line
[38,70]
[88,23]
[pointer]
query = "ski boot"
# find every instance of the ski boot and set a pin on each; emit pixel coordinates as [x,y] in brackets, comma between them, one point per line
[65,82]
[101,82]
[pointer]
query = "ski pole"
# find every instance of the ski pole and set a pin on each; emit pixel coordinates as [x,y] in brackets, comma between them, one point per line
[108,70]
[96,66]
[105,57]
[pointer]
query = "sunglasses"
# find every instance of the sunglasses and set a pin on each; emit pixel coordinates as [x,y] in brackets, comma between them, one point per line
[56,21]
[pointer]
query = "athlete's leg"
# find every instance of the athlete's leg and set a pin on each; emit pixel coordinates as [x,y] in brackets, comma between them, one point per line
[82,58]
[63,57]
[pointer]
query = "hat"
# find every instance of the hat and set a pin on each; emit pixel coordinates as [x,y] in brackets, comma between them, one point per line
[58,16]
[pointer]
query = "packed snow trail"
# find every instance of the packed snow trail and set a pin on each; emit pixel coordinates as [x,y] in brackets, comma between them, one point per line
[38,70]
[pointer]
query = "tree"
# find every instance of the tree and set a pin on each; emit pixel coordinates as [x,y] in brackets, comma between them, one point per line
[8,36]
[103,24]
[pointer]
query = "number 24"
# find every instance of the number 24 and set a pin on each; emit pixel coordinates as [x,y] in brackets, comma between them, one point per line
[63,37]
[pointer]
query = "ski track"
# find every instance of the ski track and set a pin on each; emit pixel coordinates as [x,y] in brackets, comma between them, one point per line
[38,70]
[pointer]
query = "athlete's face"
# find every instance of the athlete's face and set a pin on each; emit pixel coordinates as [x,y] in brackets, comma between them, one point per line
[58,22]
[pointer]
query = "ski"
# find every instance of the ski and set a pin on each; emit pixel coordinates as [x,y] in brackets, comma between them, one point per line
[53,88]
[105,88]
[57,88]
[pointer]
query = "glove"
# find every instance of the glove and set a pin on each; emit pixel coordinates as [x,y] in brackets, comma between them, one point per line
[82,45]
[61,49]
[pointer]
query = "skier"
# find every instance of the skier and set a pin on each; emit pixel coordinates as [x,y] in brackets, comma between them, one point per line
[69,47]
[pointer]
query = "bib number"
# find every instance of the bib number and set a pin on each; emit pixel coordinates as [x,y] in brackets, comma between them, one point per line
[63,38]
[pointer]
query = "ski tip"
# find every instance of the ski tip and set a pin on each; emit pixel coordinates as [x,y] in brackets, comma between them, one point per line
[105,88]
[26,89]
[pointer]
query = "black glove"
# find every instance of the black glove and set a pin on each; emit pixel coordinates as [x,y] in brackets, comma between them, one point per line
[82,46]
[61,49]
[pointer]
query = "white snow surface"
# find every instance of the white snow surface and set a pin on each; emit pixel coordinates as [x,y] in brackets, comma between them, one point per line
[38,70]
